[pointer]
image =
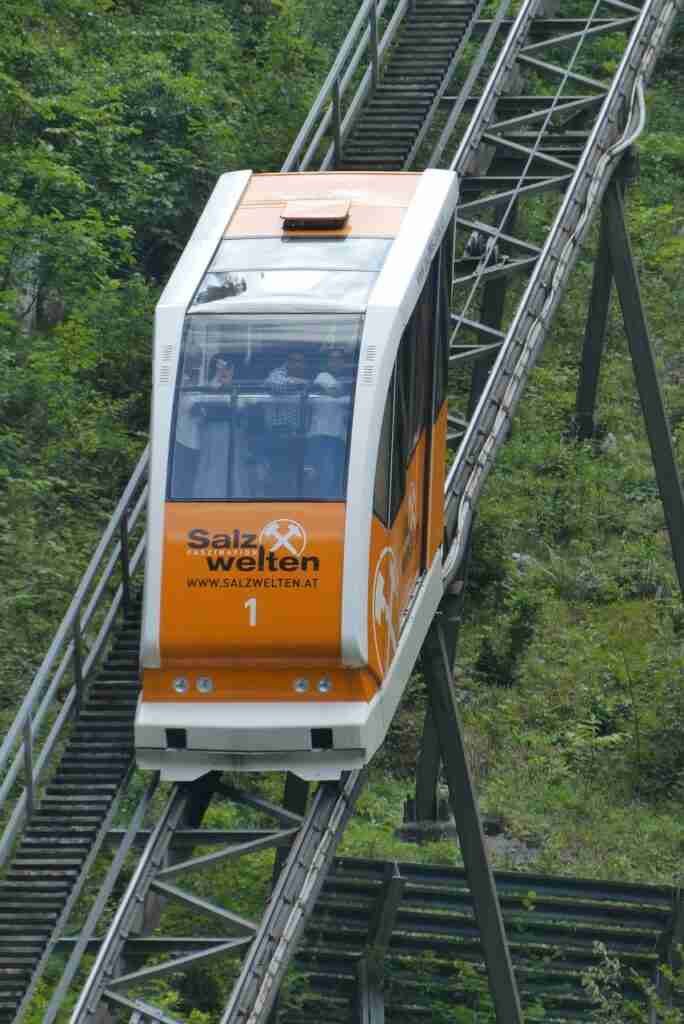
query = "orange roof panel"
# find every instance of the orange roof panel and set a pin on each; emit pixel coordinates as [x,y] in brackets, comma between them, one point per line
[378,201]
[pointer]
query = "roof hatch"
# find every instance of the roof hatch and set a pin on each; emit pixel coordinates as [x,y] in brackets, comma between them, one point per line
[315,213]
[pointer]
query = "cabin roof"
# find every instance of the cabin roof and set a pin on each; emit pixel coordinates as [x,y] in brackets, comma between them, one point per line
[378,202]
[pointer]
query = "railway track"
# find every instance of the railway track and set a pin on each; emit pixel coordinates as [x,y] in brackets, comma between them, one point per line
[428,83]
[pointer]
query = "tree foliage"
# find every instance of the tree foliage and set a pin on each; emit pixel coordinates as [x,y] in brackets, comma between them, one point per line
[117,119]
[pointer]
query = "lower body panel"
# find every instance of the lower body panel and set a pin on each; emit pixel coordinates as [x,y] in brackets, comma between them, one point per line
[314,740]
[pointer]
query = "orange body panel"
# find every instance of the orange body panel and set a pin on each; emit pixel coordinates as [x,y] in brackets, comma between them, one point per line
[260,684]
[395,564]
[435,529]
[383,188]
[252,583]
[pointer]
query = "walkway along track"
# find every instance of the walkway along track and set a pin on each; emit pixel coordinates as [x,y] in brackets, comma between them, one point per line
[62,836]
[507,147]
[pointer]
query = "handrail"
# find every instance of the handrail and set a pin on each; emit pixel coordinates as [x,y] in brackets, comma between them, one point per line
[326,108]
[369,80]
[66,649]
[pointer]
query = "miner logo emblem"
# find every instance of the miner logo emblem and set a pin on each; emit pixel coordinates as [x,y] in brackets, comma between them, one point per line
[283,535]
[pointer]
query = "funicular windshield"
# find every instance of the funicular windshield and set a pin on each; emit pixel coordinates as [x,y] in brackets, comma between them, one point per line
[263,408]
[332,270]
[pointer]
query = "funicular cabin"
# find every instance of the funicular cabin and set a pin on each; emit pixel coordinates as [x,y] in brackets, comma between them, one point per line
[294,557]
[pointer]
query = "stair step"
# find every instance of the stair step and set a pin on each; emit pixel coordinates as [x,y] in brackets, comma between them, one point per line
[42,876]
[46,840]
[48,903]
[28,920]
[94,767]
[102,717]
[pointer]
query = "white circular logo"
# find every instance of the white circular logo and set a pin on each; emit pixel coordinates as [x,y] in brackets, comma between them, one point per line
[386,608]
[284,536]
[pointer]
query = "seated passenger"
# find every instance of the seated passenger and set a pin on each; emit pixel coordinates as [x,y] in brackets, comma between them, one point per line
[327,440]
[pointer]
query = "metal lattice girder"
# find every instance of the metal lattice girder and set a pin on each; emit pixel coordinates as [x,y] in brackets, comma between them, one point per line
[270,944]
[437,669]
[525,335]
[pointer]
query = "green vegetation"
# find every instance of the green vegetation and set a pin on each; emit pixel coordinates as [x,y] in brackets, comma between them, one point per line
[572,651]
[116,120]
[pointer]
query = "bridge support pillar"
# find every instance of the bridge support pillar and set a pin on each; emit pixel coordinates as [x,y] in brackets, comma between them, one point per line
[616,262]
[429,763]
[370,999]
[646,373]
[445,714]
[594,337]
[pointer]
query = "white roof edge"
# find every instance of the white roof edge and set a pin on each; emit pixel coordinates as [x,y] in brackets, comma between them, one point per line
[235,305]
[205,238]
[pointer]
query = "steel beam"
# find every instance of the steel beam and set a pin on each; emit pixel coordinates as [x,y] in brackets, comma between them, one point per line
[370,1000]
[493,302]
[429,761]
[295,799]
[594,337]
[646,373]
[445,713]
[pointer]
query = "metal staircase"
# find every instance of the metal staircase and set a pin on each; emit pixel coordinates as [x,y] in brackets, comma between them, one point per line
[418,67]
[553,924]
[60,837]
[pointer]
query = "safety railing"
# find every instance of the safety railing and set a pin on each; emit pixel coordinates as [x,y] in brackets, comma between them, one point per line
[359,61]
[57,689]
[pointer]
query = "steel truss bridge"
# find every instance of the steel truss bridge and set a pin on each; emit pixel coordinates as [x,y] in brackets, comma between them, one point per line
[104,870]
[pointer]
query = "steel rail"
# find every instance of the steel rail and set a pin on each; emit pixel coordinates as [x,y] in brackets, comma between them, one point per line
[526,334]
[112,946]
[496,84]
[312,849]
[292,901]
[460,101]
[531,154]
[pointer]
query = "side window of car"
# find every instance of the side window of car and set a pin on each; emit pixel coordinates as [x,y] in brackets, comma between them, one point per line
[442,325]
[383,468]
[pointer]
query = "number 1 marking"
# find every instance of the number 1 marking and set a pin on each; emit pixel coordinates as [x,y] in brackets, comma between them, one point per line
[251,605]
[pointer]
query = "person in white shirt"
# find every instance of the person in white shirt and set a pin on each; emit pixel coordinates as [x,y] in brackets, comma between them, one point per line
[327,437]
[187,446]
[212,482]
